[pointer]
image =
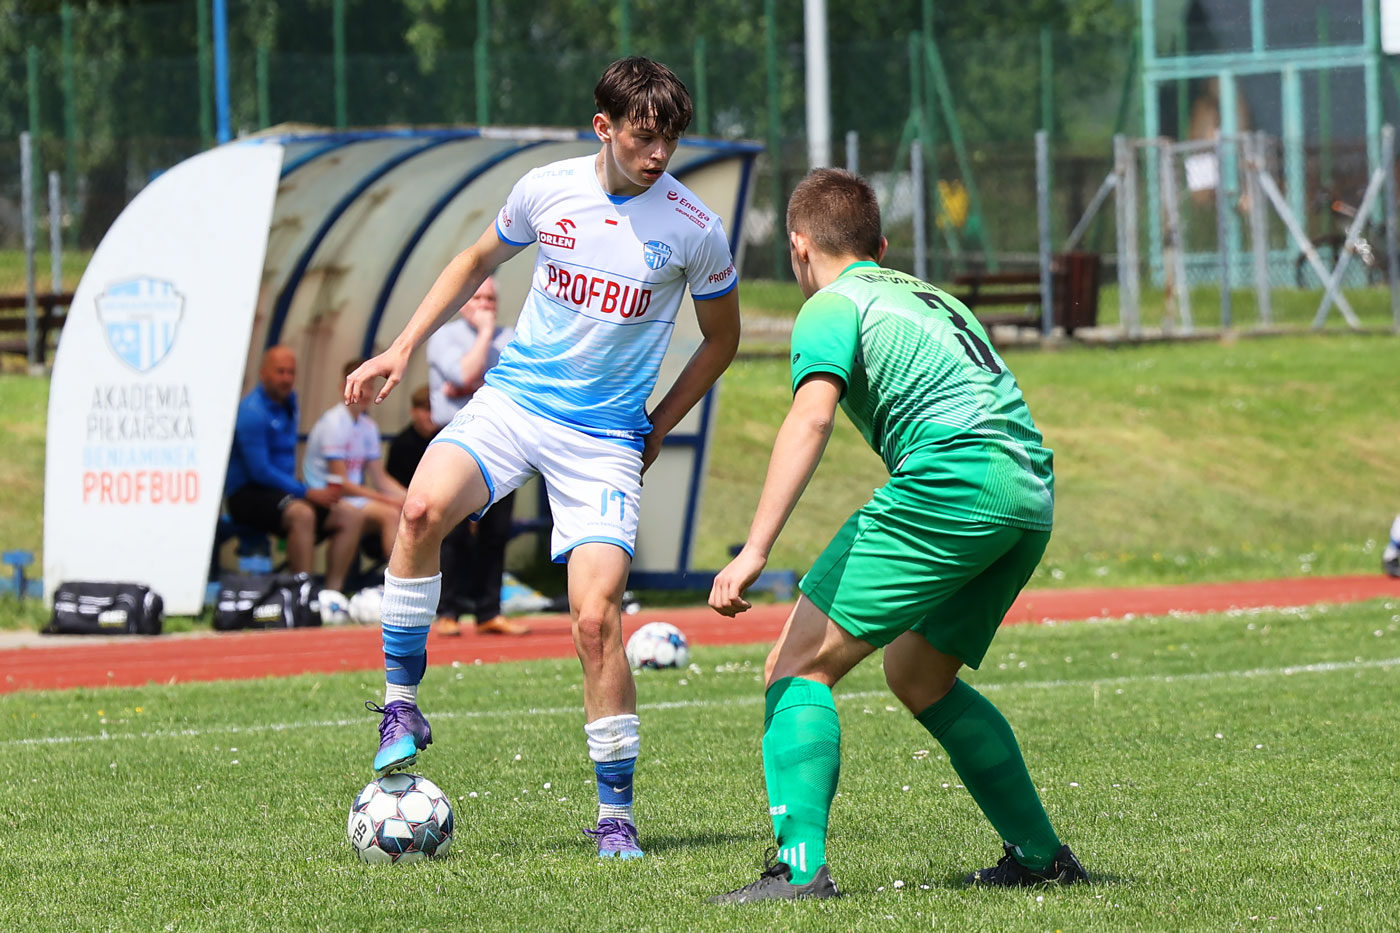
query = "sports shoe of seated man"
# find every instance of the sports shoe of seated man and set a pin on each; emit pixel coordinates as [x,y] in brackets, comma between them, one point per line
[775,884]
[616,838]
[402,733]
[500,625]
[1391,565]
[1009,873]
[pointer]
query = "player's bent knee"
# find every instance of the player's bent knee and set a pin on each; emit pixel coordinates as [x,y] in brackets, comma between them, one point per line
[915,687]
[596,633]
[419,518]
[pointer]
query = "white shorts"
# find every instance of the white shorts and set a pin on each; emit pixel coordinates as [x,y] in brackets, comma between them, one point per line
[594,483]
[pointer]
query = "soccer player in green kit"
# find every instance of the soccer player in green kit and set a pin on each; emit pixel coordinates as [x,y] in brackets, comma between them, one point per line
[926,569]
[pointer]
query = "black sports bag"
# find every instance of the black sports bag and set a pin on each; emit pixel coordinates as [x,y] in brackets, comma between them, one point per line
[267,601]
[90,608]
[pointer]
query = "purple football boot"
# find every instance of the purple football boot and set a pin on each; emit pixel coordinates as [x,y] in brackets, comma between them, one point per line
[616,839]
[402,732]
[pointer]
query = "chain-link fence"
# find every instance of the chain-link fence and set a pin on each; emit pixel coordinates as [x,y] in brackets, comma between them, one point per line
[116,94]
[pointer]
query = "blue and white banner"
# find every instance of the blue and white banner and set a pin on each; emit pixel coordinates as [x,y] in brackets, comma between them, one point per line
[147,378]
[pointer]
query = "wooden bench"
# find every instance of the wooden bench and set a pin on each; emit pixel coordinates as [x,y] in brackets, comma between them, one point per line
[46,321]
[1074,289]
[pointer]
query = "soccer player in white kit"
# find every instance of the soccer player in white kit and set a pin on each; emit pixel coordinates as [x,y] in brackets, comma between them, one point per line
[619,242]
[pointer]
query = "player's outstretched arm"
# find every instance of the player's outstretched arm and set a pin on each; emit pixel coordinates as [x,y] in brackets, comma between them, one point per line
[797,450]
[719,341]
[454,285]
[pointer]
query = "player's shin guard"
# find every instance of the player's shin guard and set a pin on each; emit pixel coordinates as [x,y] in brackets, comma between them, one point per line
[983,751]
[613,744]
[801,763]
[406,612]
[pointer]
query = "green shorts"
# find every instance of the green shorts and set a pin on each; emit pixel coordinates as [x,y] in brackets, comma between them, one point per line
[895,567]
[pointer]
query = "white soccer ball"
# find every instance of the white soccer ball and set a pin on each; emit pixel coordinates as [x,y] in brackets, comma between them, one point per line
[657,645]
[364,605]
[335,608]
[400,818]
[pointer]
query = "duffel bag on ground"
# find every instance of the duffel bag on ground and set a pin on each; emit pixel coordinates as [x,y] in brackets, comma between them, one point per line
[95,608]
[267,601]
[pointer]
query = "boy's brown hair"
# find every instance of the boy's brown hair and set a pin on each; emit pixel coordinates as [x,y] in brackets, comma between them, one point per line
[837,211]
[645,93]
[419,398]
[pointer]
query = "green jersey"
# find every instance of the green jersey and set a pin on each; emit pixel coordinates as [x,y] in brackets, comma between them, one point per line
[929,394]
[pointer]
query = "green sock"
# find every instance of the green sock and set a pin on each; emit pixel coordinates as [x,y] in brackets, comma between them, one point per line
[984,753]
[801,762]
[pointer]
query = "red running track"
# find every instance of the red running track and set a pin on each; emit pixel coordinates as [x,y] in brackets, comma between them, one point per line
[60,662]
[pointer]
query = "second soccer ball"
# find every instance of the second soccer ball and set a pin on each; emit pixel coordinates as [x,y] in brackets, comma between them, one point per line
[657,645]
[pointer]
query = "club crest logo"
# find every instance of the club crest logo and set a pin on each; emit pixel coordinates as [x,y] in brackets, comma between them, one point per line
[140,317]
[656,253]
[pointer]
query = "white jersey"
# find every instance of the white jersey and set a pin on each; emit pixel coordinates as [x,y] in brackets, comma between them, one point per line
[337,435]
[608,280]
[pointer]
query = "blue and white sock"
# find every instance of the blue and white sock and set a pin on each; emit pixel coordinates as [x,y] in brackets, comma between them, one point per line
[405,614]
[1392,550]
[613,744]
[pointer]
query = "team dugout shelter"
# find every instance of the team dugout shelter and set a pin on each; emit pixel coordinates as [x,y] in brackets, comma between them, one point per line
[325,242]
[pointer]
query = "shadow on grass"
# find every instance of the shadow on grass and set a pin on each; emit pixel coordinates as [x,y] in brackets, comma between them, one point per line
[705,839]
[955,882]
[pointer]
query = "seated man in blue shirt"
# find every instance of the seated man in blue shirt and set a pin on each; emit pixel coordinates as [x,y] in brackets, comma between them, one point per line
[262,487]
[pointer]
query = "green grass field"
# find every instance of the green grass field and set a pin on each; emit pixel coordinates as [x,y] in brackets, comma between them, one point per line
[1175,462]
[1224,772]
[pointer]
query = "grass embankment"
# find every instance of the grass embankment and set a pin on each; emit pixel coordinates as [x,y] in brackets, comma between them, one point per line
[12,272]
[1175,462]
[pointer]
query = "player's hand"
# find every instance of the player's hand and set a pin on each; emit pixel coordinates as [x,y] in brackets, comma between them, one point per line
[727,592]
[389,366]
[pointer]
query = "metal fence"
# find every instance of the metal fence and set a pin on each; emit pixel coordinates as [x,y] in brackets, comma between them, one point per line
[114,95]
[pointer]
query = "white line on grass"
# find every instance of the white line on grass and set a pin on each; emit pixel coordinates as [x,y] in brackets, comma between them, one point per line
[1323,667]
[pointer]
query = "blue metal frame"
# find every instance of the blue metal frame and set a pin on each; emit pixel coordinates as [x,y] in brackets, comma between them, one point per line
[733,147]
[290,167]
[284,298]
[382,301]
[221,99]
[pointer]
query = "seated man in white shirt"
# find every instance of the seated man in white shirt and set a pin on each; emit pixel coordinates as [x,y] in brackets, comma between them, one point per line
[344,448]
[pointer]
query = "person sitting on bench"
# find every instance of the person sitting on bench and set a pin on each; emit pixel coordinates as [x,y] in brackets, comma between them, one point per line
[262,488]
[344,449]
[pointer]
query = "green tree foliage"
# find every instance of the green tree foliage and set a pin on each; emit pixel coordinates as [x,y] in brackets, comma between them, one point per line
[136,104]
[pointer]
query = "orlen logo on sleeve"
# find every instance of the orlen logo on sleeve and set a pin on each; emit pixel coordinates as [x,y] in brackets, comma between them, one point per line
[555,239]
